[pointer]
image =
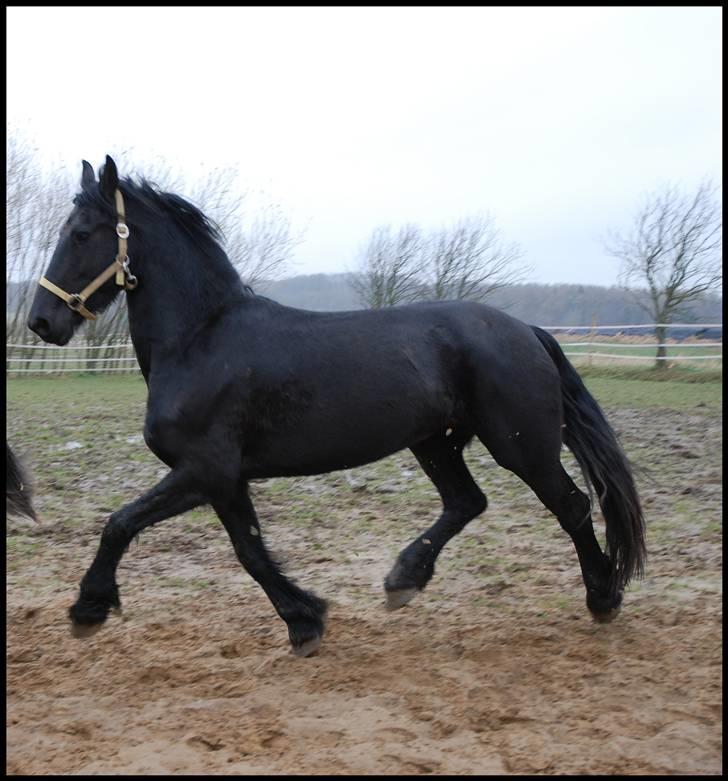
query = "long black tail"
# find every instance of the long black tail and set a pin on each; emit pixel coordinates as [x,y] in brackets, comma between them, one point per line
[19,495]
[594,444]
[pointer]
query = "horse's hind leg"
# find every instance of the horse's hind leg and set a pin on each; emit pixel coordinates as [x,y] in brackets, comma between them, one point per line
[538,464]
[572,508]
[303,612]
[442,459]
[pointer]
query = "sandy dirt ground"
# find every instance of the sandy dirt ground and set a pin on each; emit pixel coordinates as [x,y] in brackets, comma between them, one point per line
[497,668]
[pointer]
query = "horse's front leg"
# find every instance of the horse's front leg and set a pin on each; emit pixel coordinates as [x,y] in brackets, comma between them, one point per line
[173,495]
[303,612]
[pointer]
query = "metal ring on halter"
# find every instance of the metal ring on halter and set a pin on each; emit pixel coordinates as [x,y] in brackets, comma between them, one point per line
[122,230]
[75,302]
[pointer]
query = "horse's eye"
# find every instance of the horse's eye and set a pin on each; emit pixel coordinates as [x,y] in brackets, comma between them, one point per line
[80,235]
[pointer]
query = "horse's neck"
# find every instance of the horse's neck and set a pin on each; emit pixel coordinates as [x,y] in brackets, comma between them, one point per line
[178,293]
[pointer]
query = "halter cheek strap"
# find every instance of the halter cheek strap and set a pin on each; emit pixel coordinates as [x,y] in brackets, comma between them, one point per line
[119,268]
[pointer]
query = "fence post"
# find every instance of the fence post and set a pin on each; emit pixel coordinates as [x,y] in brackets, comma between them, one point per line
[591,337]
[661,357]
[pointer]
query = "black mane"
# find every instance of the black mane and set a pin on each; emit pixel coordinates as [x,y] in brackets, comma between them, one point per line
[204,232]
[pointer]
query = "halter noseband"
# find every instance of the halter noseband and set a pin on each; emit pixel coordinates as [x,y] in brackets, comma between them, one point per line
[120,267]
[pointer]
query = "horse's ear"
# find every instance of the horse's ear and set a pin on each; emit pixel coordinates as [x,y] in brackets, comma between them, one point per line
[88,177]
[108,179]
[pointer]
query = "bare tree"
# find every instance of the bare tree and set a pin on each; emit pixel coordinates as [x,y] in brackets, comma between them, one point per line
[36,207]
[391,268]
[470,261]
[260,241]
[261,250]
[674,248]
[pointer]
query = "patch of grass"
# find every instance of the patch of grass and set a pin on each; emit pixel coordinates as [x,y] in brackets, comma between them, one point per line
[201,517]
[80,485]
[78,389]
[646,393]
[22,546]
[713,527]
[174,581]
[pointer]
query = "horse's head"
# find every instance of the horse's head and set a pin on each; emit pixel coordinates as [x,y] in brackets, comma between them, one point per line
[74,285]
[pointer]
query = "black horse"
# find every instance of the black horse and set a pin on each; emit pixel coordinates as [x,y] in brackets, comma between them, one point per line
[240,387]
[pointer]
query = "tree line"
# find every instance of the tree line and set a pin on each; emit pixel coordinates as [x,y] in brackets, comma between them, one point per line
[466,261]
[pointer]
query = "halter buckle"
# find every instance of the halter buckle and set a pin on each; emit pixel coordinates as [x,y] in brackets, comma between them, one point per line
[122,230]
[129,281]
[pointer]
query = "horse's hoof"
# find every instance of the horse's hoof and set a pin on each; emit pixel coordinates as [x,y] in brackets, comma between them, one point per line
[309,648]
[83,631]
[606,617]
[399,598]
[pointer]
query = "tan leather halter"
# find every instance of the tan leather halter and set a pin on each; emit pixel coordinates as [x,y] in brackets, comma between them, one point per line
[120,267]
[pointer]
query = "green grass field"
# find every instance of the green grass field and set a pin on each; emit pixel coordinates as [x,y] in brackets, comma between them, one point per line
[75,428]
[611,387]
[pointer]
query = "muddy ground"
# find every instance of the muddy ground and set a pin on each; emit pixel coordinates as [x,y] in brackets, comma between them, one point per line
[496,668]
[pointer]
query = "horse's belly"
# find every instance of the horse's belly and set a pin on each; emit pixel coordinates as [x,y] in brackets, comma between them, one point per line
[326,444]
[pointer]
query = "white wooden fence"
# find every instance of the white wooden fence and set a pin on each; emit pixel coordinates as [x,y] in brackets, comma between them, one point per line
[73,358]
[119,357]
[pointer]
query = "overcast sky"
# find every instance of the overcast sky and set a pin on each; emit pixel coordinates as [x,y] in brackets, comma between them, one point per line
[556,121]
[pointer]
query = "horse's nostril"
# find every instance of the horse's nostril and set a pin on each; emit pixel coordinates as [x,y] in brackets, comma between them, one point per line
[40,326]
